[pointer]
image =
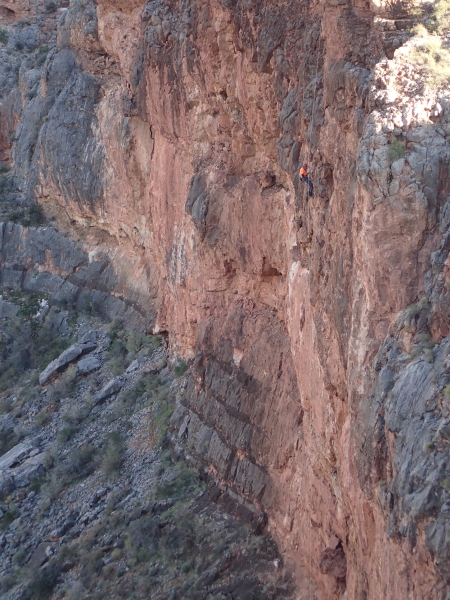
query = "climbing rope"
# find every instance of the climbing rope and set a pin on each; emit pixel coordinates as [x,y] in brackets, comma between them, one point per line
[311,341]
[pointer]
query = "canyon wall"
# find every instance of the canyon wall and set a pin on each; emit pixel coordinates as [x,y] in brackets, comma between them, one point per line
[317,328]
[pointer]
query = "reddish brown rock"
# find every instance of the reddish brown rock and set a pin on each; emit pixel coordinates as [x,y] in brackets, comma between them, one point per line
[199,117]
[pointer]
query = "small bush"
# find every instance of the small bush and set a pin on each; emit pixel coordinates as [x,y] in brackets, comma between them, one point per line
[113,459]
[67,433]
[180,369]
[161,419]
[6,406]
[4,36]
[9,516]
[428,447]
[36,483]
[9,438]
[64,386]
[79,463]
[437,17]
[396,150]
[183,478]
[446,484]
[78,413]
[19,556]
[7,582]
[43,583]
[43,418]
[79,459]
[431,54]
[125,345]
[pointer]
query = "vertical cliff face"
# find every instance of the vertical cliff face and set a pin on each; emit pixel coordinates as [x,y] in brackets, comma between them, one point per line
[317,326]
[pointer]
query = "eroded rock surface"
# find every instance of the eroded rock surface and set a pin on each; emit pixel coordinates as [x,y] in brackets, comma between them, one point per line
[178,129]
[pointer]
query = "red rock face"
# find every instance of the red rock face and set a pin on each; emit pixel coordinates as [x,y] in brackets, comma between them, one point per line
[205,112]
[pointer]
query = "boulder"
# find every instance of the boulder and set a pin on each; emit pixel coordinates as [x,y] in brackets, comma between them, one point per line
[32,468]
[88,364]
[15,456]
[111,388]
[87,344]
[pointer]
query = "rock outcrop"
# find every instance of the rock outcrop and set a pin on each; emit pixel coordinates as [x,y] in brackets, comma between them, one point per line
[317,328]
[73,353]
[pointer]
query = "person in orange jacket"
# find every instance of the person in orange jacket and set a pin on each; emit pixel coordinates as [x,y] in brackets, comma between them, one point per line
[305,179]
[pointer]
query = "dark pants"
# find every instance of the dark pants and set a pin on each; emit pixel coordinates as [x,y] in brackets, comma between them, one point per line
[309,182]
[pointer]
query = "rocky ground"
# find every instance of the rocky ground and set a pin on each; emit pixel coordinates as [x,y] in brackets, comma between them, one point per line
[94,503]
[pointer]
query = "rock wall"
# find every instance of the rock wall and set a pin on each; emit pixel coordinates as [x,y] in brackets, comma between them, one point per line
[317,327]
[73,275]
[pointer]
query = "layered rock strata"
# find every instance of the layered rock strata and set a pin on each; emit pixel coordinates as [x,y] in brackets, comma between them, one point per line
[315,400]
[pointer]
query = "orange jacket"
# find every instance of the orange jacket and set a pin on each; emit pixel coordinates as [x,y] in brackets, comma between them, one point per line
[303,172]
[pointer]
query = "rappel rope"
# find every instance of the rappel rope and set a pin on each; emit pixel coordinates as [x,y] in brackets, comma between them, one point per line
[311,341]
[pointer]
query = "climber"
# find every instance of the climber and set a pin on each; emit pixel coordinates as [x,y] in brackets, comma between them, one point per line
[305,179]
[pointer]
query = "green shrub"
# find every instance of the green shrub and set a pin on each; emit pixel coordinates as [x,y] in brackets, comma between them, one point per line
[43,417]
[183,478]
[437,17]
[4,36]
[19,556]
[161,418]
[36,483]
[76,414]
[180,369]
[396,150]
[79,463]
[7,582]
[6,406]
[142,539]
[67,433]
[9,438]
[9,516]
[125,345]
[43,583]
[29,393]
[431,54]
[113,459]
[79,460]
[8,378]
[428,447]
[64,385]
[445,483]
[136,341]
[148,385]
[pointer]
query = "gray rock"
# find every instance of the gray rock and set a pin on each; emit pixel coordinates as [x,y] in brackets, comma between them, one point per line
[88,364]
[15,456]
[84,346]
[30,469]
[39,556]
[29,36]
[111,388]
[7,309]
[134,366]
[15,524]
[6,484]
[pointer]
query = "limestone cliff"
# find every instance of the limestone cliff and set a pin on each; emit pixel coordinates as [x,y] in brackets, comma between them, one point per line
[318,328]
